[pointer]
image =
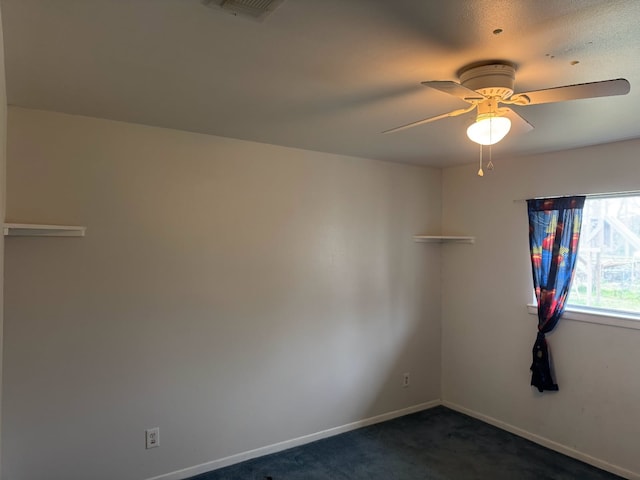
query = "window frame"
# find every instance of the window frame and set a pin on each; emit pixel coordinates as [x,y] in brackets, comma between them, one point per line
[608,317]
[598,315]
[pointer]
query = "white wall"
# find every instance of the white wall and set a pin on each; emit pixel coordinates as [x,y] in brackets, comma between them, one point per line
[3,136]
[234,294]
[488,334]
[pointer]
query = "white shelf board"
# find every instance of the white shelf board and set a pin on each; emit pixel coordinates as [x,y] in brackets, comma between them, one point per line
[443,239]
[35,230]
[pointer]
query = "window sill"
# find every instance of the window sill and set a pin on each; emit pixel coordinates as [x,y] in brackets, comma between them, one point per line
[601,318]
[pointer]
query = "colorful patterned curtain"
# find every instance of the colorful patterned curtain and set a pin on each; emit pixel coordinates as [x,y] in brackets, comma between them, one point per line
[554,232]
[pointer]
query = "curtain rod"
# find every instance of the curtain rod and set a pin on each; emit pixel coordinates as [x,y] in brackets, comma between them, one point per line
[628,193]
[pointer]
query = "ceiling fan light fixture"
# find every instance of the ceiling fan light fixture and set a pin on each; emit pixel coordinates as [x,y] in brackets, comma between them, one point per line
[488,129]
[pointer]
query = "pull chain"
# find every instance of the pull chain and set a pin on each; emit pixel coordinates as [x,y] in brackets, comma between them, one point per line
[480,172]
[490,164]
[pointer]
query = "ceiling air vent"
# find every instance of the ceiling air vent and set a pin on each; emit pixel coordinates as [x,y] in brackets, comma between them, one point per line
[255,9]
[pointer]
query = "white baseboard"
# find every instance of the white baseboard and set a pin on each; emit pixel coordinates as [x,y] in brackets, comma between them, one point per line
[278,447]
[545,442]
[295,442]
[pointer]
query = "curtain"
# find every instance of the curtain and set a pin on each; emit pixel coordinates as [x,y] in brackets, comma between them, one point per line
[554,233]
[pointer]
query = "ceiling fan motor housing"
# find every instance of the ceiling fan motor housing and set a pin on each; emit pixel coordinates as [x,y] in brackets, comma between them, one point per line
[494,80]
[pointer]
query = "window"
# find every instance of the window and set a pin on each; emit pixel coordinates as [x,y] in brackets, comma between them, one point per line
[607,274]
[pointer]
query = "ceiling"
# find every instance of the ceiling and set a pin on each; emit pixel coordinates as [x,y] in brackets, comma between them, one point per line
[325,75]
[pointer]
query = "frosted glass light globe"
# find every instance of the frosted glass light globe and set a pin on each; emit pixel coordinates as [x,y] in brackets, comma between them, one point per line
[489,130]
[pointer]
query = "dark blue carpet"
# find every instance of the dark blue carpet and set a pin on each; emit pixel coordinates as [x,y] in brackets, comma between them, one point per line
[435,444]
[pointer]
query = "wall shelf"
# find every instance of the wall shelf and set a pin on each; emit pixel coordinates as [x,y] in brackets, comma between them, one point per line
[35,230]
[443,239]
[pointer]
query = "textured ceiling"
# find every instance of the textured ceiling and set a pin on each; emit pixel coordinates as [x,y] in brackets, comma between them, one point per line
[325,75]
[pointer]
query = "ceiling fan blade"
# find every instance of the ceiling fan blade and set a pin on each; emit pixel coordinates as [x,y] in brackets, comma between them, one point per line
[455,89]
[455,113]
[518,123]
[605,88]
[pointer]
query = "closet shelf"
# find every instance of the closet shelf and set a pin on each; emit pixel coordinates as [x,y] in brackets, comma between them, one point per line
[35,230]
[443,239]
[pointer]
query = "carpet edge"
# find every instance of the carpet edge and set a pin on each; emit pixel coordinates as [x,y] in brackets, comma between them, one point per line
[545,442]
[188,472]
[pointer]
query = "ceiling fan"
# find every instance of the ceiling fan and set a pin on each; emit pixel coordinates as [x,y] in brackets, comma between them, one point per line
[486,85]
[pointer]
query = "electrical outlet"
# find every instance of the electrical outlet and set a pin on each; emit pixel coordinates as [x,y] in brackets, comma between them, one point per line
[406,380]
[152,437]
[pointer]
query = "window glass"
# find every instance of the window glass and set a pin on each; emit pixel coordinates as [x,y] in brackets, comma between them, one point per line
[607,274]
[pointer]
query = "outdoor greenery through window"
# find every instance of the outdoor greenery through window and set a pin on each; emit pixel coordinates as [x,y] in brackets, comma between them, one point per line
[607,275]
